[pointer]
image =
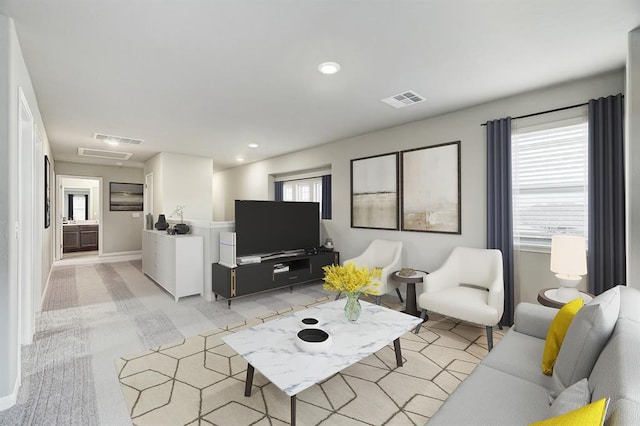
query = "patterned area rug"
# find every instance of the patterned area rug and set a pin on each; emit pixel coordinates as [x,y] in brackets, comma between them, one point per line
[200,381]
[94,313]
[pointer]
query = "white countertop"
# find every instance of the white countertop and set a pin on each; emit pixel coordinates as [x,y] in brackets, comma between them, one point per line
[83,222]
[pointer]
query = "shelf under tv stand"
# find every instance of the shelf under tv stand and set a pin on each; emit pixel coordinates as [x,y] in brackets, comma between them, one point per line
[244,280]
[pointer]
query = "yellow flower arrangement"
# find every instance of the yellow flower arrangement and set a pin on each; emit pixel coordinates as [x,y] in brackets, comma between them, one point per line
[349,278]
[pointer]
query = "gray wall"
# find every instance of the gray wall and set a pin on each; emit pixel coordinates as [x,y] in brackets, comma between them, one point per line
[14,74]
[632,142]
[121,230]
[421,250]
[8,292]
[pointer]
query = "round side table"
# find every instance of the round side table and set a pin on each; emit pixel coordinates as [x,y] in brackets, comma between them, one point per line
[547,297]
[411,307]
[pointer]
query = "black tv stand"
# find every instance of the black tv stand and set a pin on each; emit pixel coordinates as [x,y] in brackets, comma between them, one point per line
[269,274]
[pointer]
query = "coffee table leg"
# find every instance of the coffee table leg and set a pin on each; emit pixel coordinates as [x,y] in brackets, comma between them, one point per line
[396,346]
[249,380]
[293,410]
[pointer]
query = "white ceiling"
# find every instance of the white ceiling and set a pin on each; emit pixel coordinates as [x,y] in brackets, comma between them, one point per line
[207,77]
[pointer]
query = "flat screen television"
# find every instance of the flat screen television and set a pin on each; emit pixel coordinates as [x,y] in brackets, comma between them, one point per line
[266,227]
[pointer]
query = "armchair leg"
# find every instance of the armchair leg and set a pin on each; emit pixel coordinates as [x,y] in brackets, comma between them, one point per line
[338,295]
[399,295]
[424,317]
[378,300]
[490,337]
[500,325]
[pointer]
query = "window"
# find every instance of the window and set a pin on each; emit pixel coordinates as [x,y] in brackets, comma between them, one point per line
[302,190]
[306,186]
[549,175]
[79,206]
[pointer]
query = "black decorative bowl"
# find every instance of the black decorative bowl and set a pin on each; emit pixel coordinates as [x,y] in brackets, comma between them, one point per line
[309,323]
[313,340]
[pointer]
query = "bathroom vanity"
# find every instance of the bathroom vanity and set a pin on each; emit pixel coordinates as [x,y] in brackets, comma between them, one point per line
[79,237]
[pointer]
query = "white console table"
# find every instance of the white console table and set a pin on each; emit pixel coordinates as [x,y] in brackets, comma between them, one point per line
[176,262]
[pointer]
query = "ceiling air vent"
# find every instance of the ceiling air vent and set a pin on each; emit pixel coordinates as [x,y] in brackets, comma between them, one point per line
[100,153]
[404,99]
[116,139]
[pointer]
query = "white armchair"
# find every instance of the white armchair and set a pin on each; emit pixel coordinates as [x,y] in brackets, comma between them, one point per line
[468,286]
[385,255]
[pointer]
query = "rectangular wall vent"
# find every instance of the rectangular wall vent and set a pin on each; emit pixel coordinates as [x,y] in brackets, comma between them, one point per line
[100,153]
[404,99]
[117,139]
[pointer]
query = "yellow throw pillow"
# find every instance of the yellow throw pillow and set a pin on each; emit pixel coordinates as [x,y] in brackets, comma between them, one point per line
[556,333]
[589,415]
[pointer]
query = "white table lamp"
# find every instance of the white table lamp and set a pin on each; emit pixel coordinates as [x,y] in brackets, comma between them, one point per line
[569,262]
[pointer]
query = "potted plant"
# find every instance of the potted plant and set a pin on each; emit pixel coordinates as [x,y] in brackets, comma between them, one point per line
[181,228]
[353,281]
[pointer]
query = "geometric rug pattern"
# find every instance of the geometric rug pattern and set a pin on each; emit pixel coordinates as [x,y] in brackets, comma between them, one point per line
[200,381]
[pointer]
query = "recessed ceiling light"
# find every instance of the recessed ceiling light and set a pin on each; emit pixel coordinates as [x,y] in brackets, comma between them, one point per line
[329,67]
[119,163]
[112,142]
[240,159]
[253,145]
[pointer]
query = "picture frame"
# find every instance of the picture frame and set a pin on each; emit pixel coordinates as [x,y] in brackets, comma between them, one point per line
[126,197]
[375,192]
[431,189]
[47,192]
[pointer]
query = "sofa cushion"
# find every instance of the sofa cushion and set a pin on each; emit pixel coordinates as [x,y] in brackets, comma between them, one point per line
[587,335]
[519,355]
[629,303]
[589,415]
[616,373]
[492,397]
[557,332]
[622,413]
[533,320]
[575,396]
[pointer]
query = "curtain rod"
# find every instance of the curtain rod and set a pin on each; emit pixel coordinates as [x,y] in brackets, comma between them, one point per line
[546,112]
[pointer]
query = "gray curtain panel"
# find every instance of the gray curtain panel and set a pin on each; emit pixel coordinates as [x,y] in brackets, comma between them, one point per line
[607,255]
[278,190]
[326,197]
[499,205]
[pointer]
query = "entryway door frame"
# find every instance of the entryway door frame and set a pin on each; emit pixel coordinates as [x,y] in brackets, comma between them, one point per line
[60,213]
[30,222]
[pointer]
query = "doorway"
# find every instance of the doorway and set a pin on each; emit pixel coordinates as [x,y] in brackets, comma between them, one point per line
[79,217]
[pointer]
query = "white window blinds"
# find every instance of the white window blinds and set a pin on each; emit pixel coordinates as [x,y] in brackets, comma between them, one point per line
[549,176]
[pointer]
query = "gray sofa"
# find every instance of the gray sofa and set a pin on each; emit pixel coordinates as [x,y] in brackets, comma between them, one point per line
[508,387]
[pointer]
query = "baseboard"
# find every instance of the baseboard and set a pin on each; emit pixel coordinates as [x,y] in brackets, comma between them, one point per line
[46,286]
[123,253]
[10,400]
[122,256]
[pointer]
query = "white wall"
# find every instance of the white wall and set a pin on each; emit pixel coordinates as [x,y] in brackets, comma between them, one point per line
[421,250]
[154,166]
[632,142]
[121,230]
[181,180]
[14,74]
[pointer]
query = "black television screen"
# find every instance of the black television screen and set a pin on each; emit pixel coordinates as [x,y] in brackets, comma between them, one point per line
[265,227]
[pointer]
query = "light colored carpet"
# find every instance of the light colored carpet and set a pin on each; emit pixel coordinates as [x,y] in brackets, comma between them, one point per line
[200,381]
[93,314]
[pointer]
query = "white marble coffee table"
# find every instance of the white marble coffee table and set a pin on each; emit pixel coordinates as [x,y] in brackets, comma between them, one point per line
[270,347]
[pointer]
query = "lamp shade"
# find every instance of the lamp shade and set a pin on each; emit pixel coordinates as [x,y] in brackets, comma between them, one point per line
[568,255]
